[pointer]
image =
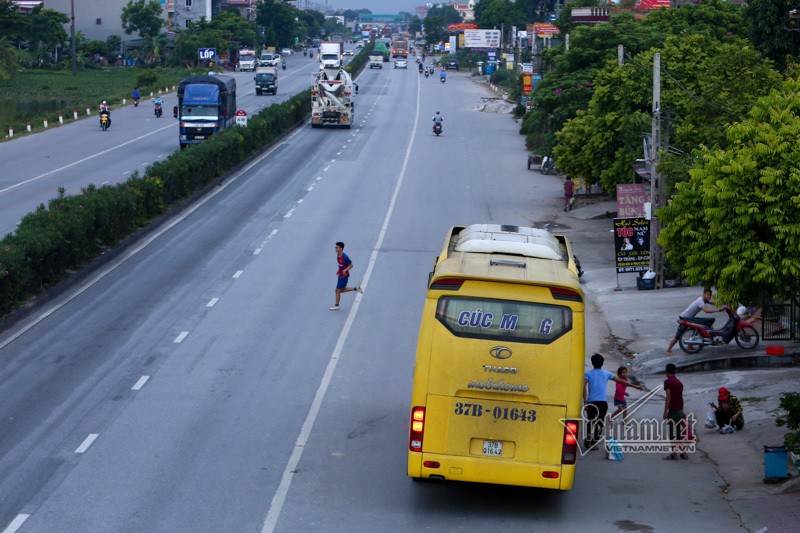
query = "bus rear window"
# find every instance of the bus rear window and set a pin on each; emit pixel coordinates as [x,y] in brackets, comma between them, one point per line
[506,320]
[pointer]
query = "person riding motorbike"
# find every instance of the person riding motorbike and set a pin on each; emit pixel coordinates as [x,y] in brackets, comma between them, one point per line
[283,64]
[443,74]
[135,96]
[159,104]
[104,106]
[420,68]
[438,119]
[104,111]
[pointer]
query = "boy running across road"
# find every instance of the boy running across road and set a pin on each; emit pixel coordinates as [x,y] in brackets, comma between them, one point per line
[343,274]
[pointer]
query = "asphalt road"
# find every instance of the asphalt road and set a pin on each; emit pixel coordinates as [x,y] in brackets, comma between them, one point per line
[200,383]
[76,155]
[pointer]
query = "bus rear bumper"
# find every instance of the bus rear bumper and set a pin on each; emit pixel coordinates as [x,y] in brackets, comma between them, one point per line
[497,471]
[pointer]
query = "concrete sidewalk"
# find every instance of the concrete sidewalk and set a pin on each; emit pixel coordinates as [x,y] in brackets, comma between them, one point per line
[641,323]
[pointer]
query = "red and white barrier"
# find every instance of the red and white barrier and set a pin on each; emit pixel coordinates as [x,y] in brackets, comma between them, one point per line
[60,119]
[28,125]
[88,111]
[45,123]
[74,114]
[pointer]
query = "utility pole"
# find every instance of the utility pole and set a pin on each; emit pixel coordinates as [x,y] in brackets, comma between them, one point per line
[620,54]
[656,254]
[72,36]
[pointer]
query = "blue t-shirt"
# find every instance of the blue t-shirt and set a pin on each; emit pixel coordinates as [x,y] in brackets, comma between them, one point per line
[597,378]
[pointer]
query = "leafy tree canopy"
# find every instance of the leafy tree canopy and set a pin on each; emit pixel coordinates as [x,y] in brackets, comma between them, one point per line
[768,26]
[499,13]
[143,16]
[736,223]
[435,29]
[712,18]
[447,12]
[278,19]
[705,86]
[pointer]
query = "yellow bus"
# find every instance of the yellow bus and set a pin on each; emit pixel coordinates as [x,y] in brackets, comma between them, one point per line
[498,376]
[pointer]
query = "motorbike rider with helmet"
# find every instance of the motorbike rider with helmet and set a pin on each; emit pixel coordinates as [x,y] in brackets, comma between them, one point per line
[437,119]
[104,111]
[159,105]
[135,96]
[443,74]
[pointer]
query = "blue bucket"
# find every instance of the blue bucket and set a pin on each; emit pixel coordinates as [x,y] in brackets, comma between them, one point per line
[775,462]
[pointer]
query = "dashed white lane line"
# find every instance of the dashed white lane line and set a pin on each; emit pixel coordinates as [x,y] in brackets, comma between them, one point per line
[87,442]
[310,188]
[338,153]
[324,170]
[16,523]
[257,251]
[139,384]
[287,215]
[300,201]
[180,337]
[238,274]
[319,178]
[274,232]
[213,301]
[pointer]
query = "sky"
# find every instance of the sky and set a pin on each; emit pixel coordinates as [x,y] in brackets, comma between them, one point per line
[378,7]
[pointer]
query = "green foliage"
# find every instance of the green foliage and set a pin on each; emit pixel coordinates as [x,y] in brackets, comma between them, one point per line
[772,30]
[736,223]
[790,402]
[278,20]
[705,85]
[114,44]
[569,86]
[142,16]
[500,12]
[88,88]
[712,18]
[435,29]
[94,47]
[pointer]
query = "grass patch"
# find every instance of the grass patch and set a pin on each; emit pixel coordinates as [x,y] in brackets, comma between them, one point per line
[33,95]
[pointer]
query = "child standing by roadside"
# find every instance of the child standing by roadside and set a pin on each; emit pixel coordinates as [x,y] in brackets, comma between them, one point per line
[620,402]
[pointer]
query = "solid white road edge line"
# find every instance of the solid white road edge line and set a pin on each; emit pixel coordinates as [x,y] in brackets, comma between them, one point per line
[271,520]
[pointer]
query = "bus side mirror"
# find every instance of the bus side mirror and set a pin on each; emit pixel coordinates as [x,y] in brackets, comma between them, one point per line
[175,111]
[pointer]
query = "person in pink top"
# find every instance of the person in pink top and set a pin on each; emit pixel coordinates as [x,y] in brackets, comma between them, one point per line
[569,191]
[620,402]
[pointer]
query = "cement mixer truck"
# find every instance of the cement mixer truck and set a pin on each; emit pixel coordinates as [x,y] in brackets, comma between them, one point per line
[332,98]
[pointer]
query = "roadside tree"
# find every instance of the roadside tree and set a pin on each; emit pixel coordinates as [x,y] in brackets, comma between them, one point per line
[705,86]
[142,16]
[772,30]
[736,223]
[500,13]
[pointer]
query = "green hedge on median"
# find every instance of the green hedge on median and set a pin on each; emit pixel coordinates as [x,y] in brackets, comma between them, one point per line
[72,230]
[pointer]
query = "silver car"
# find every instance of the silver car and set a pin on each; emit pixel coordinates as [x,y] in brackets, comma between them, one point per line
[401,63]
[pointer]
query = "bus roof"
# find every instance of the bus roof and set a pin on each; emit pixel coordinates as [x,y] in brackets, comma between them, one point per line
[503,253]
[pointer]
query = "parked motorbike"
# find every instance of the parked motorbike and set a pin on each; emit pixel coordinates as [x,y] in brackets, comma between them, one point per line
[696,336]
[437,128]
[158,111]
[105,120]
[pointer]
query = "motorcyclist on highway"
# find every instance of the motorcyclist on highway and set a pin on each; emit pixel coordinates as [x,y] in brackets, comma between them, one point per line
[437,119]
[443,74]
[159,103]
[104,107]
[420,68]
[135,96]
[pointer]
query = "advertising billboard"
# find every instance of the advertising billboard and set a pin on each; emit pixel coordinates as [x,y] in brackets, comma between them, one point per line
[482,38]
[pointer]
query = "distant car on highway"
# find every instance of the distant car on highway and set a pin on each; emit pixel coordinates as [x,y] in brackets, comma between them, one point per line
[359,44]
[348,53]
[286,52]
[400,63]
[451,64]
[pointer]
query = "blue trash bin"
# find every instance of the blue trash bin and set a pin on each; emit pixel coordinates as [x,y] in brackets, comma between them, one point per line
[775,462]
[490,69]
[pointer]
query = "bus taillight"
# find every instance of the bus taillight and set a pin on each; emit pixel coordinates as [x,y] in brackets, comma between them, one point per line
[417,429]
[569,452]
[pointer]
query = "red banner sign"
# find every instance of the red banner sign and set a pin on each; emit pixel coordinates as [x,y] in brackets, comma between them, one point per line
[462,26]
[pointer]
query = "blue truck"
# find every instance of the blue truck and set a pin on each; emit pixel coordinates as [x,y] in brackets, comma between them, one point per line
[206,105]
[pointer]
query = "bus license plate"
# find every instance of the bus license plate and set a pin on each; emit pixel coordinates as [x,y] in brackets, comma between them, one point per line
[492,447]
